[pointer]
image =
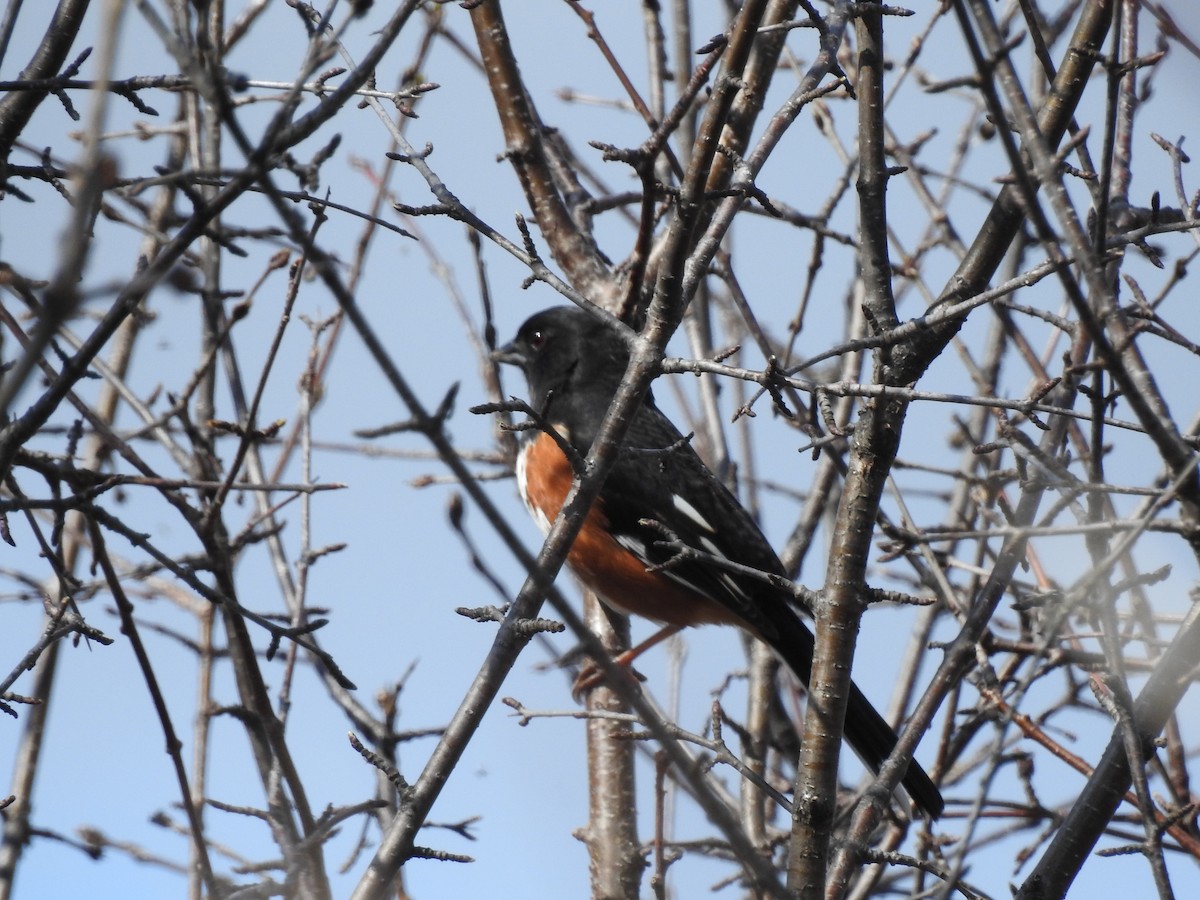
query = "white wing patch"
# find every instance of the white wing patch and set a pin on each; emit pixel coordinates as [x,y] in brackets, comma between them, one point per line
[726,580]
[732,586]
[634,545]
[692,513]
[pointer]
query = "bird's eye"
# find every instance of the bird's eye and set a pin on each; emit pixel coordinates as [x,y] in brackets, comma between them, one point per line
[537,340]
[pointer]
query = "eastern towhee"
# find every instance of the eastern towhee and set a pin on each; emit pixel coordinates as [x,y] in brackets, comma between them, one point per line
[574,364]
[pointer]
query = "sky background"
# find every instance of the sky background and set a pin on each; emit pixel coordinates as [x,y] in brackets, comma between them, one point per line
[392,592]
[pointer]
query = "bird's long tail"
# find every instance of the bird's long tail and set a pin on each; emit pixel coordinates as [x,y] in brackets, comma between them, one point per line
[871,737]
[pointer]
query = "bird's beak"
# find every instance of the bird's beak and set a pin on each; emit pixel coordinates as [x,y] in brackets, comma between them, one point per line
[511,354]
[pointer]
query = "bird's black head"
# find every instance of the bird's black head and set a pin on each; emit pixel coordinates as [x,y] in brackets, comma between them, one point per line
[564,350]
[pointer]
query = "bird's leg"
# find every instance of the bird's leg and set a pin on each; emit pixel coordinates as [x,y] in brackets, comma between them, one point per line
[590,675]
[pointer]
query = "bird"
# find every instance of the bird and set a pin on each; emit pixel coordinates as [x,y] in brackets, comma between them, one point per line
[659,488]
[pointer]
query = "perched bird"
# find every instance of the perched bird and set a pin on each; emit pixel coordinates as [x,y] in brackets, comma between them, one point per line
[574,364]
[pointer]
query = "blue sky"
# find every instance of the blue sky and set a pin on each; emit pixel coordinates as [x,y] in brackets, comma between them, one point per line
[392,592]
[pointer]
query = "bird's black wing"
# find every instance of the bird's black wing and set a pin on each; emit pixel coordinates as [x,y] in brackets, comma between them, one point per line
[660,478]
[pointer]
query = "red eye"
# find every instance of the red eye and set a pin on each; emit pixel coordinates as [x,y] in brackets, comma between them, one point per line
[537,340]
